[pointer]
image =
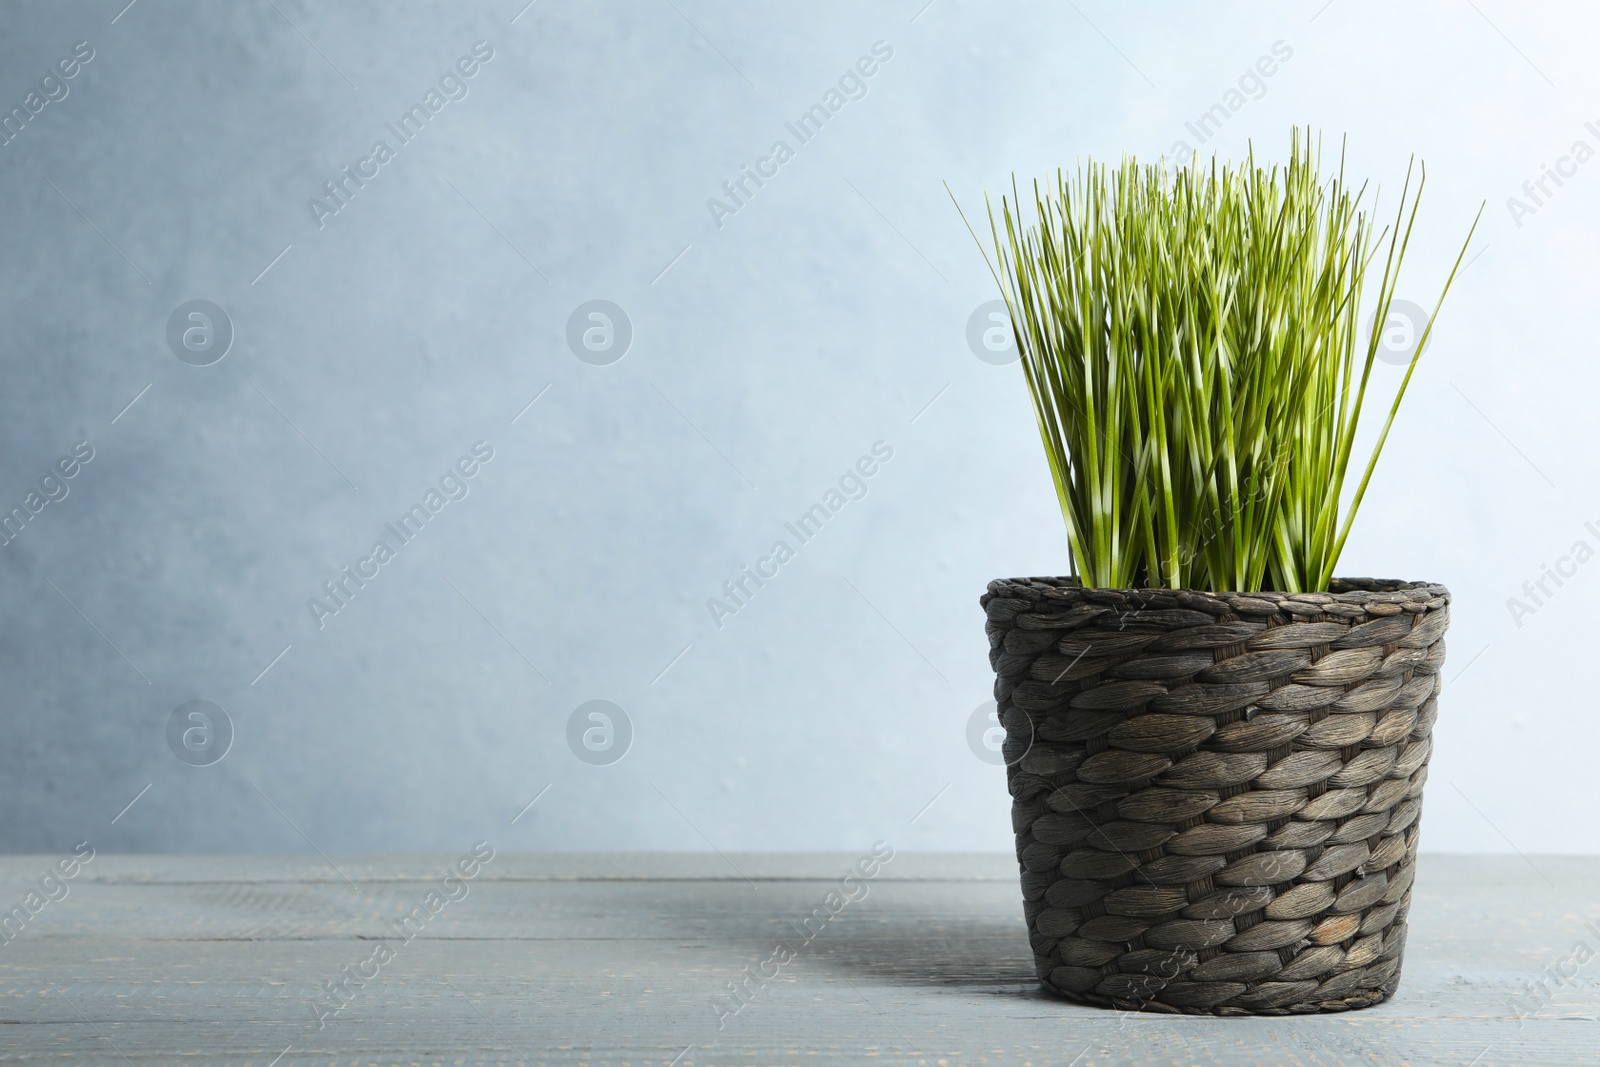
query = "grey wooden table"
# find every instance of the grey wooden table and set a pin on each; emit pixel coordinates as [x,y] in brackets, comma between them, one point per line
[628,959]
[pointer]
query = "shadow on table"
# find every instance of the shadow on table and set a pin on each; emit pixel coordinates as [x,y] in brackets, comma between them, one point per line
[898,947]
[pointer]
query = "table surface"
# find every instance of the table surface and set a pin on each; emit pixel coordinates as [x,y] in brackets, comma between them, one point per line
[627,959]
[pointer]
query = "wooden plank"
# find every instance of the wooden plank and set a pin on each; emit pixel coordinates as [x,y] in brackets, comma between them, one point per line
[622,959]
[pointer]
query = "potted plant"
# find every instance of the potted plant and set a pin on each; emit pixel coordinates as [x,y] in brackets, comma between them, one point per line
[1215,748]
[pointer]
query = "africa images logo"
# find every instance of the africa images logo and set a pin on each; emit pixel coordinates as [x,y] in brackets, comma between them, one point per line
[453,86]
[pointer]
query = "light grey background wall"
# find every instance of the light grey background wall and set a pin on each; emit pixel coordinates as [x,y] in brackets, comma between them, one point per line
[772,346]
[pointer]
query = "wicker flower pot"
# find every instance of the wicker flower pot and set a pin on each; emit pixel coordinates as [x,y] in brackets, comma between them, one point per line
[1216,795]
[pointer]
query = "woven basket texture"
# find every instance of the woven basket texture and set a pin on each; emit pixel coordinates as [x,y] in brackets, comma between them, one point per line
[1216,795]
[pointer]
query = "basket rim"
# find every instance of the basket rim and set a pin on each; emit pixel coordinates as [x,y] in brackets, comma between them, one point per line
[1340,590]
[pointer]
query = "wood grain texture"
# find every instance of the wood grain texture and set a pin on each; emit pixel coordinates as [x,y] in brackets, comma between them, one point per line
[621,958]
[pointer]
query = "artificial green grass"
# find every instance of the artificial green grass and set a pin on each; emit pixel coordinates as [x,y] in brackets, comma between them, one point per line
[1190,338]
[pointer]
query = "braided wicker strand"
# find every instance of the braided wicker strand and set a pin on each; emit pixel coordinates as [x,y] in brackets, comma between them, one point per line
[1216,795]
